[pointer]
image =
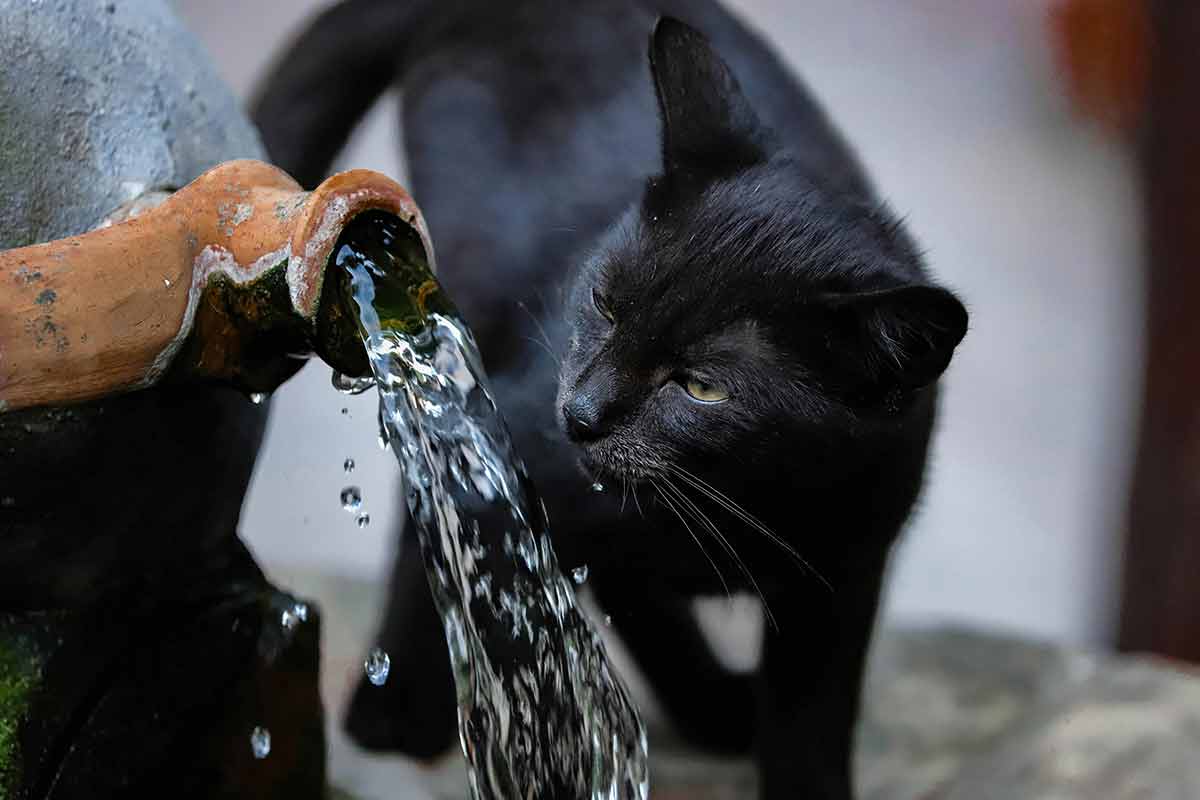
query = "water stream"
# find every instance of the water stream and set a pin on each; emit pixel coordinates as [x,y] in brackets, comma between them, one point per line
[542,714]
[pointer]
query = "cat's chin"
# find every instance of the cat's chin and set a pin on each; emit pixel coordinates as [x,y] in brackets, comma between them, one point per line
[613,467]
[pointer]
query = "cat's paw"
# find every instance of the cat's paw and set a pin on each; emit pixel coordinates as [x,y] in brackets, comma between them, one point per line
[723,722]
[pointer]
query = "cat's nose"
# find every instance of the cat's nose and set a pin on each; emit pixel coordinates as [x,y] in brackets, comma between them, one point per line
[582,420]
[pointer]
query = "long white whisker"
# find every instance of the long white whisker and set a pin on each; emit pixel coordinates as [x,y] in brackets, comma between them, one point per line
[637,501]
[553,355]
[695,539]
[725,543]
[717,496]
[545,341]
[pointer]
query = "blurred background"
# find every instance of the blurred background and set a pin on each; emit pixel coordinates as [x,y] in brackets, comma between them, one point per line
[1007,132]
[964,116]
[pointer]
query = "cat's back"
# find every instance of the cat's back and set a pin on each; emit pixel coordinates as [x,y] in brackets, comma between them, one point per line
[530,125]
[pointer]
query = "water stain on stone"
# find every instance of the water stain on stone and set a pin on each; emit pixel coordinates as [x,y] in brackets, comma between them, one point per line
[284,209]
[230,215]
[47,333]
[26,276]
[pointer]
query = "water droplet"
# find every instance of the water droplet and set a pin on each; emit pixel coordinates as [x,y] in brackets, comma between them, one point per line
[166,283]
[348,465]
[258,398]
[363,520]
[348,385]
[260,742]
[291,617]
[579,575]
[377,666]
[345,412]
[608,620]
[351,499]
[597,487]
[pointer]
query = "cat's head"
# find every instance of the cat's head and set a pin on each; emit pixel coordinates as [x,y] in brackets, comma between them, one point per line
[742,311]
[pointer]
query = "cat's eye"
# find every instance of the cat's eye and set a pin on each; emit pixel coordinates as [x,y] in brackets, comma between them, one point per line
[705,392]
[602,305]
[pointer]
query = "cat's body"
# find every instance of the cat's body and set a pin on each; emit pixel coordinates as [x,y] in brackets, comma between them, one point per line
[757,261]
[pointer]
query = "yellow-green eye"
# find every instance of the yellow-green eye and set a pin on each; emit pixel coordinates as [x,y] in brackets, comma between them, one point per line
[706,392]
[602,305]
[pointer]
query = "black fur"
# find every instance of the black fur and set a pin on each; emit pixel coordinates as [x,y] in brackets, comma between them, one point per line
[712,230]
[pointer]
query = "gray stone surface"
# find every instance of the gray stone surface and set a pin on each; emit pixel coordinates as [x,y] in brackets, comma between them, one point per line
[1130,732]
[950,714]
[99,102]
[938,699]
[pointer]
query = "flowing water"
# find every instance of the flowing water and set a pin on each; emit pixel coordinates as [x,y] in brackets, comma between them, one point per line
[542,714]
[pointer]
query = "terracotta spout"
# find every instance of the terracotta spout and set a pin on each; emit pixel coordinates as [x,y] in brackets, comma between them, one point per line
[222,280]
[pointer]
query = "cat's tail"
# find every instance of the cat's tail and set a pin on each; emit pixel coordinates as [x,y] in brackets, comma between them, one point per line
[329,77]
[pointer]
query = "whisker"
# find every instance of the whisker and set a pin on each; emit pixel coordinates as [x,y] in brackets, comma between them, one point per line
[545,341]
[703,519]
[723,500]
[695,539]
[553,356]
[637,502]
[624,492]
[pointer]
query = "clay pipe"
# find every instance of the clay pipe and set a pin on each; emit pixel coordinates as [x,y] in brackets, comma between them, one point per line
[222,280]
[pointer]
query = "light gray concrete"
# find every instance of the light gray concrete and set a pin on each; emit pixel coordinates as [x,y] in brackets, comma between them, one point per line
[100,102]
[1029,212]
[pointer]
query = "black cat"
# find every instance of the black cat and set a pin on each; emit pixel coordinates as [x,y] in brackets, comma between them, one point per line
[746,358]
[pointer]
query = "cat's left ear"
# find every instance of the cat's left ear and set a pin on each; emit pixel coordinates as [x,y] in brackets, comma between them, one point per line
[708,125]
[902,337]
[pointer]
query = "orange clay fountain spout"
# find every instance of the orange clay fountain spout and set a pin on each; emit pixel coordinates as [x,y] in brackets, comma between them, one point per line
[224,280]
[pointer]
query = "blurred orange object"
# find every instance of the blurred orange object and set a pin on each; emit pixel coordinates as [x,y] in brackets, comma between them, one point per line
[1103,46]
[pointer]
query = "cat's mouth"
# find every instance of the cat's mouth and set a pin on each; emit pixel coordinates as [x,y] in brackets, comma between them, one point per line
[612,460]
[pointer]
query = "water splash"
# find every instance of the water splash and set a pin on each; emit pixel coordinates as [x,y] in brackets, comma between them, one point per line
[260,742]
[542,714]
[351,499]
[290,617]
[377,666]
[348,385]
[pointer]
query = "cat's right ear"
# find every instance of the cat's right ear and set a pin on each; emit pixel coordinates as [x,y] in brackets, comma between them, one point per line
[895,338]
[708,125]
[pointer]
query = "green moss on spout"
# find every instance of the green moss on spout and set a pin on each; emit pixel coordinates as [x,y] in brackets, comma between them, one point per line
[20,674]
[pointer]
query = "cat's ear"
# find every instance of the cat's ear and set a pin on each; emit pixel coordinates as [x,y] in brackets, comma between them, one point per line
[898,338]
[707,123]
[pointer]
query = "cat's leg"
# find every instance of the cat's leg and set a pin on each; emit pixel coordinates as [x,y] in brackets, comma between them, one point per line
[414,711]
[810,683]
[712,707]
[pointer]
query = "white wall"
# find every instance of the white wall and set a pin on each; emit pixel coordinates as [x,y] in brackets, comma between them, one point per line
[1029,213]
